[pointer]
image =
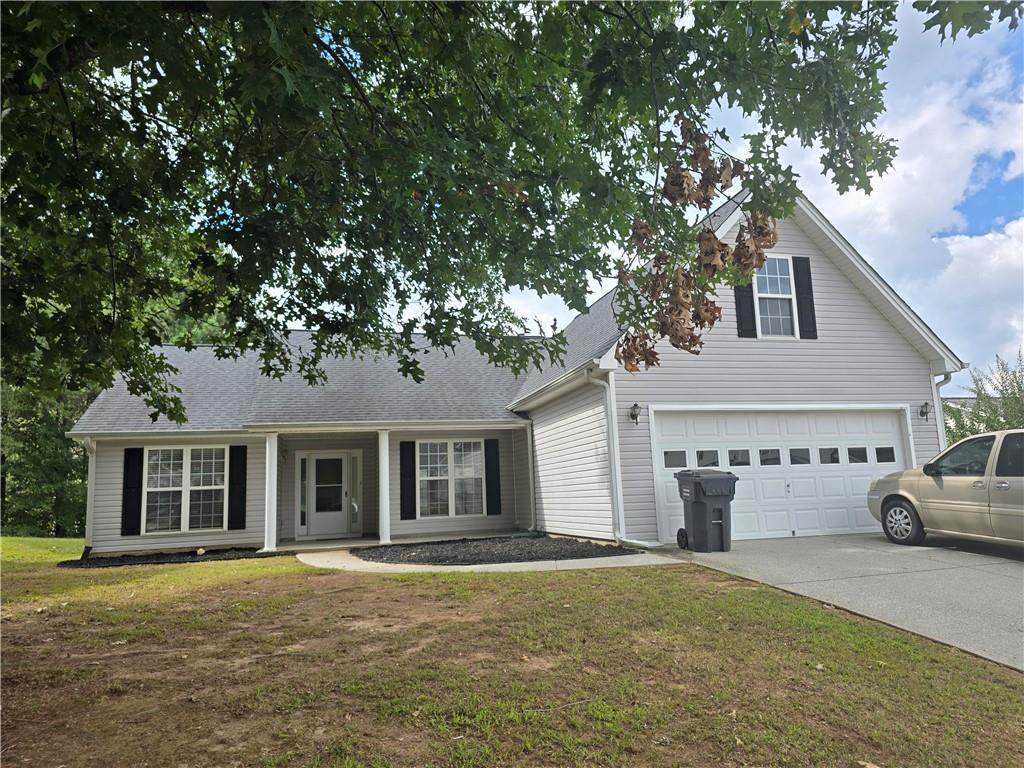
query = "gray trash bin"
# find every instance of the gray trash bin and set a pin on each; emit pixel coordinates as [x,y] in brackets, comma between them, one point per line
[707,495]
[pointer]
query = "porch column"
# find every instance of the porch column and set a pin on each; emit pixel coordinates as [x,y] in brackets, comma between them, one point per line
[270,496]
[384,490]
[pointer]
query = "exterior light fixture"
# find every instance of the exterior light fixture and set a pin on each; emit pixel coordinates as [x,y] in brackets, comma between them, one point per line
[634,413]
[926,408]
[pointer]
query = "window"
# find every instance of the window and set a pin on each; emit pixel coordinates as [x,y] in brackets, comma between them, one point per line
[970,458]
[739,457]
[857,455]
[433,470]
[769,457]
[1011,456]
[885,455]
[451,478]
[828,455]
[469,478]
[674,459]
[176,500]
[799,456]
[774,290]
[707,458]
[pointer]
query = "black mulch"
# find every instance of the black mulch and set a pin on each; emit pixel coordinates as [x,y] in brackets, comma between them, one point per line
[160,558]
[515,549]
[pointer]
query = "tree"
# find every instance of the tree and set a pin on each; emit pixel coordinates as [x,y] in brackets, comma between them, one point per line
[998,401]
[370,170]
[44,474]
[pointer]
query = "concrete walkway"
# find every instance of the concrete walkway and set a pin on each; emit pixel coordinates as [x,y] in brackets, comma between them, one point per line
[344,560]
[964,593]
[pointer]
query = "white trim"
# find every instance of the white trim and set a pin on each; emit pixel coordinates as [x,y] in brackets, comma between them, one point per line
[791,298]
[270,495]
[780,407]
[378,426]
[90,490]
[450,477]
[383,487]
[732,219]
[613,420]
[185,489]
[877,282]
[940,419]
[531,469]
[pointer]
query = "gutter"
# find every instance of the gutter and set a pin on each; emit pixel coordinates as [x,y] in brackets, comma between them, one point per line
[940,412]
[618,518]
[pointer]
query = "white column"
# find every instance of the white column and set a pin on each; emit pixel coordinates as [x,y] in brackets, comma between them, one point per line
[384,491]
[90,490]
[270,497]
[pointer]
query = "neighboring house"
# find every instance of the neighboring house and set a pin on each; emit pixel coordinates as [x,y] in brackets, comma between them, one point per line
[814,381]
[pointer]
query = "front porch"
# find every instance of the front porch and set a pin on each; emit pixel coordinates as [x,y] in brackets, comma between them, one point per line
[350,487]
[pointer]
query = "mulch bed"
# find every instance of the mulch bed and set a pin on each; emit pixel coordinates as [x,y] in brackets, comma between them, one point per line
[514,549]
[160,558]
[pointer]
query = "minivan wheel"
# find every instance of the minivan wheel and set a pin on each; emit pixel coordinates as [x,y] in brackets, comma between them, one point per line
[901,523]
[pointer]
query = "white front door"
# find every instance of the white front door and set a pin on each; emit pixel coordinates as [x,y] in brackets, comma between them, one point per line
[800,472]
[328,494]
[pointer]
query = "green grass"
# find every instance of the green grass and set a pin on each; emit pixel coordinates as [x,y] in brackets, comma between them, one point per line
[267,662]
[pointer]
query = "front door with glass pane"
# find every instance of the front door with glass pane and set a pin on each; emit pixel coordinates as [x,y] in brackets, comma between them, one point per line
[328,494]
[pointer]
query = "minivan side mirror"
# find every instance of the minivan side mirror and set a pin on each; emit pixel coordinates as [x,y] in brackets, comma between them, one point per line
[931,469]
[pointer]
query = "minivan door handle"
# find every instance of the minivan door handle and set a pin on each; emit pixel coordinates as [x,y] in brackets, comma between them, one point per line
[978,484]
[1002,485]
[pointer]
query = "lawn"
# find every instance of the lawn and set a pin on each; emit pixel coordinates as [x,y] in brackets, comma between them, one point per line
[272,663]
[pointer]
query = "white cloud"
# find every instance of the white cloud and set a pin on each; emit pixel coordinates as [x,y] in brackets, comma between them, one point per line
[978,295]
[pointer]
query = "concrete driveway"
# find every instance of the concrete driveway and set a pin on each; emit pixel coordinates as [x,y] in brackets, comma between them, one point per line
[963,593]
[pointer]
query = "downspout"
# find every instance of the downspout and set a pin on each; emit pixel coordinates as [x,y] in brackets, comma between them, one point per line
[940,412]
[618,520]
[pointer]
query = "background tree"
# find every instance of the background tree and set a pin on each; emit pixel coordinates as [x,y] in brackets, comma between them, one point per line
[370,170]
[998,401]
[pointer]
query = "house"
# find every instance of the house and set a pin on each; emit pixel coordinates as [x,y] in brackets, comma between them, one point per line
[817,379]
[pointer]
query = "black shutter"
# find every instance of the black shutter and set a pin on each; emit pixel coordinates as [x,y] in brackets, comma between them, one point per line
[804,297]
[131,493]
[407,476]
[492,473]
[746,320]
[237,465]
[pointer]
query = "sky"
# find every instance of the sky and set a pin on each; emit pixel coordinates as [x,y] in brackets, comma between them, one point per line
[945,225]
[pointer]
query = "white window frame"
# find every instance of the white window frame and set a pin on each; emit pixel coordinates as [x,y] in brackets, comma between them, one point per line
[791,297]
[185,488]
[450,443]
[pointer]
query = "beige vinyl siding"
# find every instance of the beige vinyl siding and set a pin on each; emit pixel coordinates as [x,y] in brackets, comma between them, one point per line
[288,445]
[510,469]
[858,358]
[573,475]
[107,484]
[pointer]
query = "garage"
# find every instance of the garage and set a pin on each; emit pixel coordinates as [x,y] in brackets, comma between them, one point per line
[801,472]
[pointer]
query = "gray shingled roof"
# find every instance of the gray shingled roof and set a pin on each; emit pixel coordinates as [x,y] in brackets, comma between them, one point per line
[591,334]
[229,394]
[216,394]
[459,385]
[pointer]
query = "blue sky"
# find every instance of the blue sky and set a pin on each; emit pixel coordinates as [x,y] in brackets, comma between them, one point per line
[945,226]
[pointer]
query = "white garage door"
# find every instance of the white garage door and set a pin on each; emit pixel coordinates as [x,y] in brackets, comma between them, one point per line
[800,473]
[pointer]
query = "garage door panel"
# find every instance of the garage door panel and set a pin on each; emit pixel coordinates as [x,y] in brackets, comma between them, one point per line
[737,425]
[799,495]
[803,488]
[767,425]
[806,519]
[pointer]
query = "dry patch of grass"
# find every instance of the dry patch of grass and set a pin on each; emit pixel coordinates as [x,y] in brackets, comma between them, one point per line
[267,662]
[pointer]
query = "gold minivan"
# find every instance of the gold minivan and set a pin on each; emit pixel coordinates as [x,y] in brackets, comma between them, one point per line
[973,489]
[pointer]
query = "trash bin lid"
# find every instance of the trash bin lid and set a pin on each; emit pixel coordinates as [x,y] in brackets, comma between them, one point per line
[715,483]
